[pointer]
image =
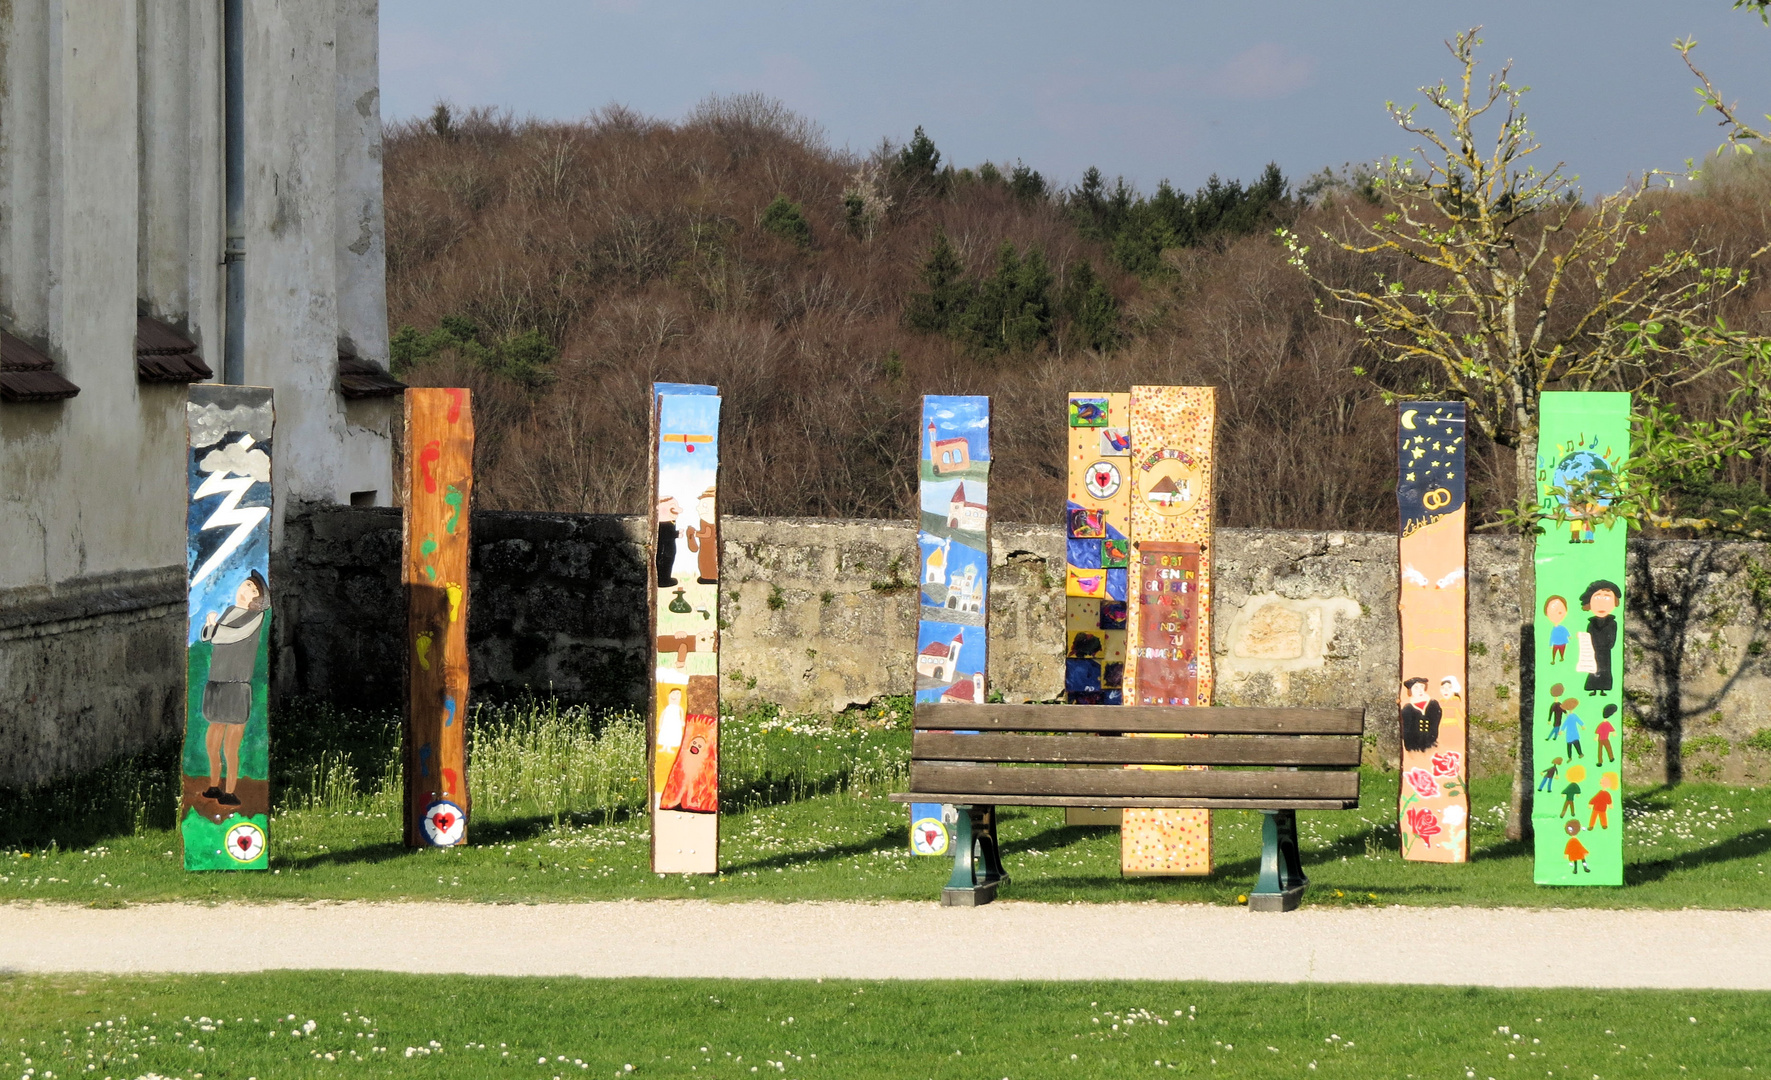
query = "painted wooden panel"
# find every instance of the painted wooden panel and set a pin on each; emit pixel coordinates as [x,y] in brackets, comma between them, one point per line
[224,809]
[438,500]
[1577,810]
[683,734]
[1097,525]
[1168,661]
[1433,806]
[1097,532]
[953,547]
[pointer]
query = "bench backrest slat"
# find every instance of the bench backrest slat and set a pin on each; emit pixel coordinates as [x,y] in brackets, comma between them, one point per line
[1097,750]
[1142,719]
[984,781]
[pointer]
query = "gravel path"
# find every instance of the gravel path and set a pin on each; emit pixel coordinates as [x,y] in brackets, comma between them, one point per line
[1006,940]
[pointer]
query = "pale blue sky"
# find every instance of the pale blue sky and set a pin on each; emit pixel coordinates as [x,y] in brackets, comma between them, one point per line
[1180,89]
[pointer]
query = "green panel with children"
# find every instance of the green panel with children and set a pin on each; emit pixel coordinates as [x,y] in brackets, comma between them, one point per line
[1577,811]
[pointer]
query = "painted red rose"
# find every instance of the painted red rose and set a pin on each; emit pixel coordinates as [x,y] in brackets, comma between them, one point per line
[1423,783]
[1423,823]
[1447,763]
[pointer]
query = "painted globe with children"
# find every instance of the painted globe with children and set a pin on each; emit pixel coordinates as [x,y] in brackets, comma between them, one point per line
[1585,475]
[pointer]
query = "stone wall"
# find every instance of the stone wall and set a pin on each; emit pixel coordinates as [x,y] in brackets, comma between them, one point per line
[556,607]
[91,669]
[821,614]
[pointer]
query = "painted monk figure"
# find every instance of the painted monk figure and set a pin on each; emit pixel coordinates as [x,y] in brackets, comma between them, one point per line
[1420,716]
[1601,598]
[704,539]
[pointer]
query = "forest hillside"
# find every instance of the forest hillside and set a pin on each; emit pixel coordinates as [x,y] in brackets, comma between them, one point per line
[559,268]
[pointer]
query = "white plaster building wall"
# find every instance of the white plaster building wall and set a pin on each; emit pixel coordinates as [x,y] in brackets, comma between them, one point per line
[179,133]
[73,469]
[362,232]
[112,194]
[26,439]
[293,203]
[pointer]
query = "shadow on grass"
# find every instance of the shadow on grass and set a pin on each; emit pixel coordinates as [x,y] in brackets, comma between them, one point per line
[889,838]
[1052,839]
[770,790]
[481,833]
[1743,846]
[364,855]
[123,797]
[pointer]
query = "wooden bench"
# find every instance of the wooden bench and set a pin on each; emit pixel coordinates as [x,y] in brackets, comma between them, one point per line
[1278,761]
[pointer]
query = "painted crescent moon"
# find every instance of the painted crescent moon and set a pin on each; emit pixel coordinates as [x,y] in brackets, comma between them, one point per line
[1408,418]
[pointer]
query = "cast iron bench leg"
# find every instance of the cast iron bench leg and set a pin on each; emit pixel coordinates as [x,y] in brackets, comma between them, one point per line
[1281,884]
[977,861]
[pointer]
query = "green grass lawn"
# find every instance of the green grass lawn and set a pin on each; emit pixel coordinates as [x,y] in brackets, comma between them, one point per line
[558,817]
[342,1024]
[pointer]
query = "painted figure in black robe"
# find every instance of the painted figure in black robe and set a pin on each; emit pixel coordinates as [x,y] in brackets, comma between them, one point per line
[665,554]
[1601,598]
[1420,716]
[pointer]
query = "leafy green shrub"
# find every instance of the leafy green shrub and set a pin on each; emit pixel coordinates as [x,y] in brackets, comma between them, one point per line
[1714,744]
[526,356]
[786,220]
[523,358]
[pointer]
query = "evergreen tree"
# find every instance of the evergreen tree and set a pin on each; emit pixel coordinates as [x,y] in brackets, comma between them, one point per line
[1029,314]
[946,293]
[785,220]
[919,164]
[1026,184]
[1012,309]
[1137,230]
[1090,309]
[1088,202]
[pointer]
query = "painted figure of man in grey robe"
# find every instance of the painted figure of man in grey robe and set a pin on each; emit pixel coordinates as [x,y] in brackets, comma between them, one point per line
[227,699]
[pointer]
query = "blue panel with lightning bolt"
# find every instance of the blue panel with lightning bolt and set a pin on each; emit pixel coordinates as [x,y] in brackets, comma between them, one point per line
[224,810]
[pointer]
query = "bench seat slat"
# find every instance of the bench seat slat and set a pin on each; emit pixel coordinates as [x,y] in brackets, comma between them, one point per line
[987,782]
[1143,719]
[1094,749]
[1155,804]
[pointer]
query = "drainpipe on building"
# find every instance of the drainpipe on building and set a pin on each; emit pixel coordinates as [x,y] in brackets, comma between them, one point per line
[234,123]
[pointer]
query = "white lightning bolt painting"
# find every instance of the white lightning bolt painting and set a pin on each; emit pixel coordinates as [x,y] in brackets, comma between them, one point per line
[224,815]
[243,518]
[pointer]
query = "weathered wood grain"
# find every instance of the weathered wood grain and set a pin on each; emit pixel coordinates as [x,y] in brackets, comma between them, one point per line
[985,782]
[1094,749]
[438,499]
[1143,719]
